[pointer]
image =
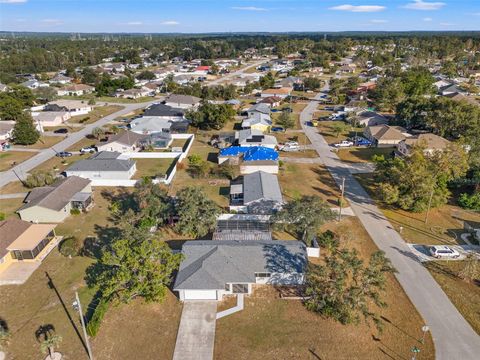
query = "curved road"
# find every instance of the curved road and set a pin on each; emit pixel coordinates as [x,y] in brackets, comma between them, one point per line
[452,335]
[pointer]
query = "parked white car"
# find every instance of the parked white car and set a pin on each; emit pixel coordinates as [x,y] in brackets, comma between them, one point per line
[443,251]
[288,148]
[344,143]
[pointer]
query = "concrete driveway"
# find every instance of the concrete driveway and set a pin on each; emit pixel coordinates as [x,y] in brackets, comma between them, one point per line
[196,333]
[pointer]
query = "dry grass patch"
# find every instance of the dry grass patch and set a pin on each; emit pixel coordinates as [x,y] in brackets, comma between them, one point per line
[272,328]
[308,153]
[362,155]
[96,114]
[308,179]
[13,188]
[44,142]
[325,128]
[8,159]
[464,295]
[84,142]
[59,164]
[9,206]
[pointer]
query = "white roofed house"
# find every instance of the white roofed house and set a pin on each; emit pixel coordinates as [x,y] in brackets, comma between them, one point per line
[34,84]
[60,79]
[74,107]
[6,130]
[75,90]
[259,121]
[135,93]
[51,118]
[182,101]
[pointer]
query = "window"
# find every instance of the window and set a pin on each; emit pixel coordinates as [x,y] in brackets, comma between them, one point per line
[240,288]
[263,275]
[227,287]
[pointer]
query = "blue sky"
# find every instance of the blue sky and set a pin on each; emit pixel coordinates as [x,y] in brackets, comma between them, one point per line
[197,16]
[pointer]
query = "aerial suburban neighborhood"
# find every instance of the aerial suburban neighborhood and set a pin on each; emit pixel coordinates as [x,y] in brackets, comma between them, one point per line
[240,189]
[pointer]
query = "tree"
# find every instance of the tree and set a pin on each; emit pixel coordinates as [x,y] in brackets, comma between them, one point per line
[388,93]
[98,132]
[267,81]
[197,214]
[45,334]
[417,82]
[286,120]
[153,204]
[46,93]
[146,75]
[410,183]
[303,216]
[135,264]
[89,76]
[312,83]
[197,167]
[345,289]
[10,108]
[24,131]
[211,116]
[338,128]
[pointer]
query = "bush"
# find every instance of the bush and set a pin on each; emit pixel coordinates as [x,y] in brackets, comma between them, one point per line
[94,323]
[2,216]
[70,246]
[40,178]
[471,202]
[75,211]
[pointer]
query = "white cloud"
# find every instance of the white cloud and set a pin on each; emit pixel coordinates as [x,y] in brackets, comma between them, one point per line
[424,5]
[12,1]
[134,23]
[379,21]
[359,8]
[170,22]
[248,8]
[427,19]
[52,21]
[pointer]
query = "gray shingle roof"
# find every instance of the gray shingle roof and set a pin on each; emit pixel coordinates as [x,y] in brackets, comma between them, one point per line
[57,196]
[183,99]
[102,161]
[125,138]
[162,110]
[211,264]
[261,185]
[261,108]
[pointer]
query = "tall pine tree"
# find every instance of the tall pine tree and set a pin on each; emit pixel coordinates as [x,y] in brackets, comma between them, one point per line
[24,132]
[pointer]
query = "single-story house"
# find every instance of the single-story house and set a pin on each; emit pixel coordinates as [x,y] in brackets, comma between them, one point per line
[52,204]
[126,141]
[462,98]
[23,241]
[104,165]
[34,84]
[266,159]
[159,140]
[259,108]
[51,118]
[182,101]
[6,130]
[370,118]
[75,90]
[272,101]
[165,111]
[214,268]
[385,135]
[134,93]
[74,107]
[259,122]
[282,92]
[430,142]
[60,79]
[252,137]
[450,89]
[256,193]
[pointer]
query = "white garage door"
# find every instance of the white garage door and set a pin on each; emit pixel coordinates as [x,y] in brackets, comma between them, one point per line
[200,295]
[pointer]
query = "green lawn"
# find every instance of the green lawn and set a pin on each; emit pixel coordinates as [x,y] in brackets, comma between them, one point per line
[9,158]
[362,155]
[96,114]
[152,167]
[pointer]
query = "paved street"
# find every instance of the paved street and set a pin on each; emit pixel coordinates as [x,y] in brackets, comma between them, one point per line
[235,73]
[21,170]
[196,333]
[454,338]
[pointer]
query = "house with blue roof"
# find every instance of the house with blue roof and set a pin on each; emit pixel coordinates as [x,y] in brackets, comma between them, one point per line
[250,159]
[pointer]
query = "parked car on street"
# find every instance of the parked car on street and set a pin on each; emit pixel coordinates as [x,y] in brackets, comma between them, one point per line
[277,129]
[63,154]
[61,131]
[360,141]
[88,149]
[443,251]
[343,143]
[290,148]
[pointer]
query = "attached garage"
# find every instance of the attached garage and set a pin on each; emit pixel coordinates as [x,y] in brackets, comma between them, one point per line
[200,294]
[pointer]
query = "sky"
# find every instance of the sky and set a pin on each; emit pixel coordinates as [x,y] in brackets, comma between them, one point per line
[202,16]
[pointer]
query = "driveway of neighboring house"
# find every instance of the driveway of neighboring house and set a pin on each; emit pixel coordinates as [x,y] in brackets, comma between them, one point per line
[196,333]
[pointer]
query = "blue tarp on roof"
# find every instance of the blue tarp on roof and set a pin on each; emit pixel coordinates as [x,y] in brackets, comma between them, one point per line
[251,153]
[258,153]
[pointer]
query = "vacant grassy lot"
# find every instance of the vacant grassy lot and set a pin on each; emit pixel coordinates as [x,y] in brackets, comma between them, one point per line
[9,206]
[44,142]
[444,224]
[59,164]
[13,188]
[325,128]
[361,155]
[465,295]
[152,167]
[8,158]
[308,179]
[272,328]
[96,114]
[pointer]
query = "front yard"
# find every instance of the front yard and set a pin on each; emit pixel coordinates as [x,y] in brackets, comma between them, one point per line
[273,328]
[96,114]
[326,129]
[8,159]
[362,155]
[44,142]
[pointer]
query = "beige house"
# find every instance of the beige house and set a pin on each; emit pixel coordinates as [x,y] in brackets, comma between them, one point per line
[51,118]
[384,135]
[24,241]
[281,93]
[126,141]
[52,204]
[429,141]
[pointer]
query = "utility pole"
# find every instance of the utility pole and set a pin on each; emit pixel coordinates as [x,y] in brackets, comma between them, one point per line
[429,205]
[341,199]
[78,306]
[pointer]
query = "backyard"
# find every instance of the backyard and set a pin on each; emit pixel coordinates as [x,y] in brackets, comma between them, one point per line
[152,167]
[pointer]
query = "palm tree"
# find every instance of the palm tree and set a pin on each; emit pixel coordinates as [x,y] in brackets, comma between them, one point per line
[98,132]
[49,344]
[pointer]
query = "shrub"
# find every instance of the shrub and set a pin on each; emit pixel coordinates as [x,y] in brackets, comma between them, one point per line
[94,323]
[75,211]
[70,246]
[471,202]
[40,178]
[2,216]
